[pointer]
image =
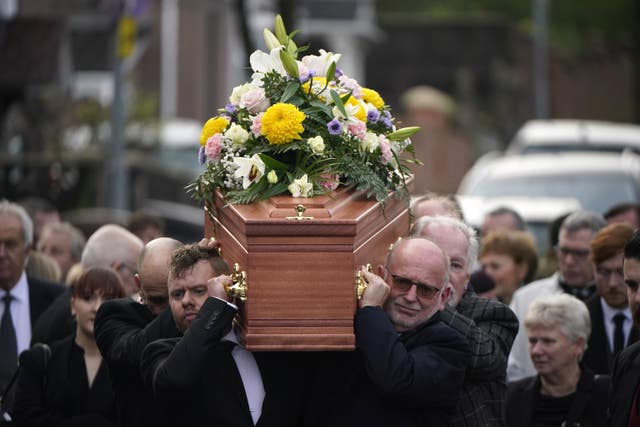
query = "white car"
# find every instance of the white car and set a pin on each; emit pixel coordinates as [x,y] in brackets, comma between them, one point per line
[550,136]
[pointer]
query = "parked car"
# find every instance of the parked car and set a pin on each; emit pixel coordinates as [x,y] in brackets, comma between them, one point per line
[544,136]
[596,180]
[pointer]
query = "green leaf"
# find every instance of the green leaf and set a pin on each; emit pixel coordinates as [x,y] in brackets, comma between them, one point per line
[331,71]
[289,90]
[404,133]
[338,102]
[273,163]
[321,106]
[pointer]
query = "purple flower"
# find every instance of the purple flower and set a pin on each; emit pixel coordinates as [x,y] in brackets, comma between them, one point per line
[201,156]
[339,73]
[334,127]
[386,119]
[230,108]
[304,77]
[373,116]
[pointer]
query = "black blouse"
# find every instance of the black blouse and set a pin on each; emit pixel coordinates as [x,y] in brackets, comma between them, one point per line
[57,392]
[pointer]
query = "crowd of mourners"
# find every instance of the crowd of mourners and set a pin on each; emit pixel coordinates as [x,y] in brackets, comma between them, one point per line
[459,327]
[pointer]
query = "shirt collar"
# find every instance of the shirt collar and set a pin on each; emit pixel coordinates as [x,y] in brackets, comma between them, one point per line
[20,291]
[608,312]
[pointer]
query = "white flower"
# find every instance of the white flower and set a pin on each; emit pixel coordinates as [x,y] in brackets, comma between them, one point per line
[237,134]
[317,144]
[262,63]
[301,187]
[254,100]
[351,111]
[237,92]
[370,142]
[318,64]
[250,170]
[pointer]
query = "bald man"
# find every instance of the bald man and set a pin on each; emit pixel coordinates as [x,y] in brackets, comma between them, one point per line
[124,327]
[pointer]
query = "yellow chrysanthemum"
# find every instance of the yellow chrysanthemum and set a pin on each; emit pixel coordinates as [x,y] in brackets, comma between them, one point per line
[282,123]
[361,114]
[211,127]
[372,97]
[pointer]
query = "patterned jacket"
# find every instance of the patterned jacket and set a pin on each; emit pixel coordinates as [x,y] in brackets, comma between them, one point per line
[490,328]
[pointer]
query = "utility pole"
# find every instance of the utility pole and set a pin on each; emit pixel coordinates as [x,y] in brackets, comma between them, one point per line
[540,59]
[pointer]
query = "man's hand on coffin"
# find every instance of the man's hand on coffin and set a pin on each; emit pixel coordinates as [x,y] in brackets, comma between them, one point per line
[216,287]
[376,292]
[209,243]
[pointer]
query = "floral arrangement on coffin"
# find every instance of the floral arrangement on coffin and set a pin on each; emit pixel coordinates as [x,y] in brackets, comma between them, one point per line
[301,127]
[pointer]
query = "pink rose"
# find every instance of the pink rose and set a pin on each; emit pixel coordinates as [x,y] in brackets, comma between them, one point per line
[351,84]
[256,125]
[358,129]
[213,147]
[254,100]
[330,182]
[385,149]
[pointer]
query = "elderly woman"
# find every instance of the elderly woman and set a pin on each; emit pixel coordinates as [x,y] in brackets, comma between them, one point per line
[510,258]
[564,393]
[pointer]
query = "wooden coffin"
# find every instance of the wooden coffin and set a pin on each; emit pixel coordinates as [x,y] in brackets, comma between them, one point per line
[301,272]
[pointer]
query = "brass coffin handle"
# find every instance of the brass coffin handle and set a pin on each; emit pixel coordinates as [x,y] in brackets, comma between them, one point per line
[300,214]
[239,287]
[361,283]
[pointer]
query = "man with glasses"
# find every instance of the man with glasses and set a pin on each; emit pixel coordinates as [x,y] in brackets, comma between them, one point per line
[611,322]
[574,276]
[124,327]
[409,367]
[489,326]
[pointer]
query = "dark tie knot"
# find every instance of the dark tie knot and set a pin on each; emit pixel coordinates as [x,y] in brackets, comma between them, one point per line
[7,298]
[619,319]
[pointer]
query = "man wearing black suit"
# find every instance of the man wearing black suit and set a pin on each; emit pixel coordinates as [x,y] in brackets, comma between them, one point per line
[624,405]
[489,326]
[206,378]
[612,327]
[22,299]
[124,327]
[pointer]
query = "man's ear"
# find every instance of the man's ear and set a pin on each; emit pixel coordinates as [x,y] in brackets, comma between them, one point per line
[136,278]
[446,294]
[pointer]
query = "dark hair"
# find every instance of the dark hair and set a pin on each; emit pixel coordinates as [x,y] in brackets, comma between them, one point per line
[104,281]
[621,208]
[141,219]
[504,210]
[188,255]
[632,247]
[610,241]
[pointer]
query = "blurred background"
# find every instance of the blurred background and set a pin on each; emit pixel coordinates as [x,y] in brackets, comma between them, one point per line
[101,101]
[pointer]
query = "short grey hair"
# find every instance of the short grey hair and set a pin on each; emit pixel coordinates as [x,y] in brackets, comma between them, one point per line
[447,267]
[9,208]
[75,235]
[583,219]
[424,222]
[561,310]
[110,244]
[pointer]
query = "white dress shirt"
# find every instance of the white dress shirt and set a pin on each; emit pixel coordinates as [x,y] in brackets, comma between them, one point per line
[607,313]
[20,312]
[250,374]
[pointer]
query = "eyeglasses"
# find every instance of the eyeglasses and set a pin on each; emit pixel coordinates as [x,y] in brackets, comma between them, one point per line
[580,254]
[606,273]
[423,290]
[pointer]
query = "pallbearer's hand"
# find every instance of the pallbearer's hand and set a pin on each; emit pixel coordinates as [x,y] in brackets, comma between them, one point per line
[376,292]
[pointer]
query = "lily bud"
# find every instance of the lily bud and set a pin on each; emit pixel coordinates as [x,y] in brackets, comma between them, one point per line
[290,65]
[272,177]
[404,133]
[270,39]
[281,32]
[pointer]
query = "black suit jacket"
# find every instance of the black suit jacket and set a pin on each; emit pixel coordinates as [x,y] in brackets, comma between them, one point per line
[41,296]
[197,380]
[523,394]
[624,383]
[598,356]
[489,327]
[123,328]
[392,379]
[55,322]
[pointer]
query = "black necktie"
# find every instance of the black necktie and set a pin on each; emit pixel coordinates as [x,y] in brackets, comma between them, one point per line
[8,344]
[618,333]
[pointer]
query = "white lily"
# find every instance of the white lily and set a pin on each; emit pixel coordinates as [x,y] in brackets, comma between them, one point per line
[262,62]
[319,64]
[301,187]
[249,169]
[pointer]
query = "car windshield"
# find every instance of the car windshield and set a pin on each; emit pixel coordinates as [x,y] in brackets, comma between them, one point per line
[594,192]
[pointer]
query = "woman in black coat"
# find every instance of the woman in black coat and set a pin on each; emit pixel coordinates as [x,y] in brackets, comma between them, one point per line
[564,393]
[67,384]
